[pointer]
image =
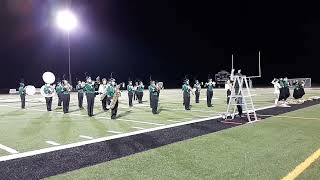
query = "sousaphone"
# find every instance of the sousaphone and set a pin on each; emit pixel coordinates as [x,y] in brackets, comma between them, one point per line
[49,91]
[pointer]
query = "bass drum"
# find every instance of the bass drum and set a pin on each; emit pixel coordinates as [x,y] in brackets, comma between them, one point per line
[51,92]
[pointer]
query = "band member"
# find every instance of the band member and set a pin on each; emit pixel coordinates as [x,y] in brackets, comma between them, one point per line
[239,101]
[197,90]
[154,92]
[90,94]
[22,93]
[48,89]
[236,83]
[286,88]
[79,89]
[66,95]
[150,91]
[228,87]
[59,91]
[97,85]
[186,89]
[112,93]
[103,93]
[298,91]
[276,91]
[130,93]
[210,85]
[135,95]
[140,89]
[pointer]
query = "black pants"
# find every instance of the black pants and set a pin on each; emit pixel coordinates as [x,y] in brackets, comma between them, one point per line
[49,103]
[90,103]
[186,101]
[209,98]
[228,94]
[65,102]
[130,95]
[80,100]
[59,99]
[154,103]
[104,103]
[135,95]
[150,100]
[239,105]
[140,96]
[114,110]
[197,96]
[23,100]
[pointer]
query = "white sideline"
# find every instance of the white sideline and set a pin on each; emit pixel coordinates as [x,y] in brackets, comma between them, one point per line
[86,137]
[8,149]
[53,143]
[77,144]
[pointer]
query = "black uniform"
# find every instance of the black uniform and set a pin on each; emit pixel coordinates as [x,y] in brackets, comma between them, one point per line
[59,90]
[239,105]
[186,96]
[66,99]
[154,94]
[22,93]
[111,92]
[48,90]
[79,88]
[197,87]
[210,86]
[90,93]
[130,94]
[298,91]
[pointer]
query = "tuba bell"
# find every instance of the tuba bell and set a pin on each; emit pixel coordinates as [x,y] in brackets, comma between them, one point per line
[48,90]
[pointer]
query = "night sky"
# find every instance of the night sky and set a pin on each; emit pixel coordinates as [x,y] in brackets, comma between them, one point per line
[166,39]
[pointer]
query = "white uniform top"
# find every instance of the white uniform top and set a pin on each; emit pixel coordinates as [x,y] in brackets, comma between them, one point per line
[227,86]
[277,87]
[102,88]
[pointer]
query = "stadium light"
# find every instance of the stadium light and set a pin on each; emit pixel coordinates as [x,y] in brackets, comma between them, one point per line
[67,21]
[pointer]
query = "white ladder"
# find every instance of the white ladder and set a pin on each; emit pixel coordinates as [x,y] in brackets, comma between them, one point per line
[242,97]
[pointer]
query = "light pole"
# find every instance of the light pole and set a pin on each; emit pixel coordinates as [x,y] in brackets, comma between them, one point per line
[67,21]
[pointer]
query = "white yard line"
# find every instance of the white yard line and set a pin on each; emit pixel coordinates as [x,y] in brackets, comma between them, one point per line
[140,128]
[86,137]
[53,143]
[72,145]
[96,117]
[174,121]
[8,149]
[115,132]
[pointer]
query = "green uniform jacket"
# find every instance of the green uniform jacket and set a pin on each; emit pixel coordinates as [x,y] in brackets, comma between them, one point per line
[130,88]
[89,88]
[153,90]
[140,88]
[111,91]
[59,89]
[79,88]
[210,86]
[185,88]
[22,91]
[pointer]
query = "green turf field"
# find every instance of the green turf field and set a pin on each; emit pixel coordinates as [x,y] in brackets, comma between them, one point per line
[269,149]
[32,128]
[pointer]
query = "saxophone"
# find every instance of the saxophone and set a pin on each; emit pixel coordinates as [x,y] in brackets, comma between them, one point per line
[116,96]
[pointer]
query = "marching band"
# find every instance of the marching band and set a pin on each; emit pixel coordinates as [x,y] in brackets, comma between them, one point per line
[109,92]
